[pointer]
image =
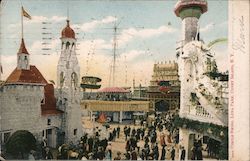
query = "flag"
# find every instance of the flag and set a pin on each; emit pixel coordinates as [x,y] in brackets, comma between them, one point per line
[25,14]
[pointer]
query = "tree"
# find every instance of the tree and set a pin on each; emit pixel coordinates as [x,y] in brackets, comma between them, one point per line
[21,141]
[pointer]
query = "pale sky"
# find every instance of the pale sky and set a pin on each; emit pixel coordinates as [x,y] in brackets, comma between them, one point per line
[148,32]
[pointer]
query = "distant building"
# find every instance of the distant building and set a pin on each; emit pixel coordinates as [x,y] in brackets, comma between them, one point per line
[140,92]
[115,103]
[169,98]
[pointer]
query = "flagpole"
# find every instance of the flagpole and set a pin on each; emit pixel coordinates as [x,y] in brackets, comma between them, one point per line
[67,10]
[22,21]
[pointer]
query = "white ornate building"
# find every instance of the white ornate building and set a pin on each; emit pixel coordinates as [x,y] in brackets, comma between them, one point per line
[204,98]
[68,91]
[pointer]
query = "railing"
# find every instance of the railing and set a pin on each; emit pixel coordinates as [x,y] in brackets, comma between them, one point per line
[199,111]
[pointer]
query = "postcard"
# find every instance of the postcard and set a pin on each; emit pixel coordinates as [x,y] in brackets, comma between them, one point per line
[124,80]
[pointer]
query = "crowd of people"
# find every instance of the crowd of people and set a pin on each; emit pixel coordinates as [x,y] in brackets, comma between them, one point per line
[158,140]
[157,145]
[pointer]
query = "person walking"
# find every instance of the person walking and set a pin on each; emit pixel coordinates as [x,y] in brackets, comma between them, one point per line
[173,153]
[162,139]
[142,133]
[156,152]
[127,155]
[114,134]
[163,152]
[183,153]
[147,150]
[90,143]
[43,146]
[100,153]
[48,154]
[118,131]
[129,130]
[199,153]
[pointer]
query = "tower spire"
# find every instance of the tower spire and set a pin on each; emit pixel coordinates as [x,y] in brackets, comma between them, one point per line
[22,54]
[67,9]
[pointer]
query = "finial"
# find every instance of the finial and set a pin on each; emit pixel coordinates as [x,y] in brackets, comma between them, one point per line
[67,22]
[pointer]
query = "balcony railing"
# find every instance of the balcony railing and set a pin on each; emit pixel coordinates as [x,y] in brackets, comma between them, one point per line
[199,111]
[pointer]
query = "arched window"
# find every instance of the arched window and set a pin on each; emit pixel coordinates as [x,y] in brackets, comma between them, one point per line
[26,61]
[61,79]
[67,45]
[62,45]
[74,80]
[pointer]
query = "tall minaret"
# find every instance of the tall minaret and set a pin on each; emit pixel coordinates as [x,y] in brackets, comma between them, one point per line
[68,74]
[23,57]
[190,11]
[68,70]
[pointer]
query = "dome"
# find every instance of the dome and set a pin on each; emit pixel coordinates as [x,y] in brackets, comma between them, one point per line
[68,32]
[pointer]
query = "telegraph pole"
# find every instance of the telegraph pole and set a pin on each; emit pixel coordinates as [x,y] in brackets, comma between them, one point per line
[114,53]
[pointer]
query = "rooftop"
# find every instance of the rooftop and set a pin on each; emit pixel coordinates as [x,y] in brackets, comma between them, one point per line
[22,48]
[21,76]
[113,90]
[68,32]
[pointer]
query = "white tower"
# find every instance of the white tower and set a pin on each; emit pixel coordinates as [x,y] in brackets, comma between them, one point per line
[68,74]
[201,94]
[23,57]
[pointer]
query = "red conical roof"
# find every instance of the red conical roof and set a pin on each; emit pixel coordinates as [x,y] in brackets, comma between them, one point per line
[22,49]
[68,32]
[21,76]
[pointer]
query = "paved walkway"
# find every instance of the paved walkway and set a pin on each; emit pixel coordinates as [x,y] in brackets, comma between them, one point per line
[120,143]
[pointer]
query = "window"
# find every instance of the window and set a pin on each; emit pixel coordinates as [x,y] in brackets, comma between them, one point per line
[67,45]
[75,131]
[43,101]
[62,45]
[49,121]
[49,131]
[6,136]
